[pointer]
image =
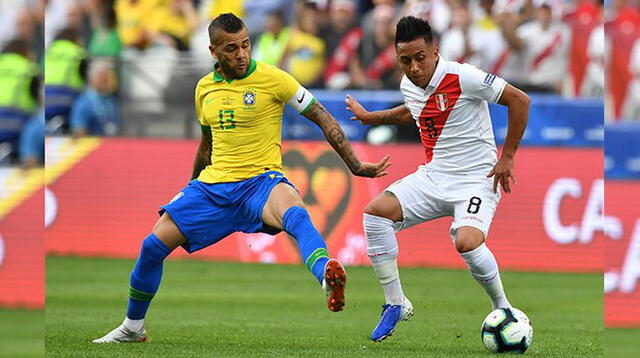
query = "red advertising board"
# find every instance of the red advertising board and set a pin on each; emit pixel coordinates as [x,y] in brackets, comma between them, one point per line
[622,255]
[107,203]
[21,244]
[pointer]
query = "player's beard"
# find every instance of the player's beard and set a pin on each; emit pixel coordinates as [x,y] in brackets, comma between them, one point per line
[229,70]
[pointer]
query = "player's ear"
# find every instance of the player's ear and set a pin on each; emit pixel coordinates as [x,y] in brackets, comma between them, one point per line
[212,51]
[436,52]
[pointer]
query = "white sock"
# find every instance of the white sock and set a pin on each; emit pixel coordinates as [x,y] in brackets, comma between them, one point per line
[382,248]
[387,272]
[484,268]
[134,325]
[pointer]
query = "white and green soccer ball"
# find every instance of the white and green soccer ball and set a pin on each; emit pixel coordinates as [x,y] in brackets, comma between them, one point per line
[507,330]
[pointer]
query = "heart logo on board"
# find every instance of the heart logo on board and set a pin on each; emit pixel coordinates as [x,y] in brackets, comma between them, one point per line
[324,184]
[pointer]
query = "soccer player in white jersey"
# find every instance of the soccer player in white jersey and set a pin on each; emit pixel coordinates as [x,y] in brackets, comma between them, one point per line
[461,176]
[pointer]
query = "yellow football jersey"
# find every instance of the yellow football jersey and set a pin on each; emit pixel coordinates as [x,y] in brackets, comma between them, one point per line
[245,116]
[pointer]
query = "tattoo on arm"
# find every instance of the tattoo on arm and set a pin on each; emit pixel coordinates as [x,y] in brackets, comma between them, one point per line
[335,135]
[396,115]
[203,156]
[386,118]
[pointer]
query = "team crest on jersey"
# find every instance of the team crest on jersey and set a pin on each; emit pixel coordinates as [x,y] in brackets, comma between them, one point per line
[442,101]
[249,97]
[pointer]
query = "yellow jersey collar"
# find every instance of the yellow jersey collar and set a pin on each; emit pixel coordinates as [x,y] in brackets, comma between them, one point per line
[218,78]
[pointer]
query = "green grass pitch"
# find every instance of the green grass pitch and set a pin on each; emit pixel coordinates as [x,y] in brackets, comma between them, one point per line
[21,333]
[622,343]
[213,309]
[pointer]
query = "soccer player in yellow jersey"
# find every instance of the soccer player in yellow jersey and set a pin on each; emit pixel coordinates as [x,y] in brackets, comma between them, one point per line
[237,182]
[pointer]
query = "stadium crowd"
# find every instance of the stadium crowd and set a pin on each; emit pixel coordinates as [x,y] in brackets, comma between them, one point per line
[553,46]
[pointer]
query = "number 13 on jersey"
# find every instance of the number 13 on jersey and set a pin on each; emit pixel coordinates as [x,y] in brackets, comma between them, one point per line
[227,119]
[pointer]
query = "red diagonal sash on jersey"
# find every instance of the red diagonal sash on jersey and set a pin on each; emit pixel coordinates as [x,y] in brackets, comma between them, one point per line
[436,112]
[547,51]
[383,63]
[497,67]
[345,50]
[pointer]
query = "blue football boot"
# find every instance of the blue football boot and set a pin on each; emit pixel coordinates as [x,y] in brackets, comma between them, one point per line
[389,318]
[391,315]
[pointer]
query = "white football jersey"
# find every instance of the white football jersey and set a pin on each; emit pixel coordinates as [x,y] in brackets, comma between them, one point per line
[453,117]
[545,52]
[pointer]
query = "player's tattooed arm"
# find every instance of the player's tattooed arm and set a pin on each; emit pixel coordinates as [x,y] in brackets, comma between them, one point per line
[517,103]
[396,115]
[340,143]
[203,156]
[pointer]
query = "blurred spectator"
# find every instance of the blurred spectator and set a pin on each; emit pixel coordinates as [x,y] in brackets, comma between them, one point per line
[32,142]
[583,19]
[172,24]
[256,11]
[18,92]
[271,45]
[217,7]
[631,109]
[374,64]
[96,111]
[133,21]
[65,66]
[436,12]
[593,82]
[304,56]
[342,40]
[484,17]
[105,40]
[543,43]
[463,42]
[342,19]
[367,22]
[622,31]
[23,20]
[62,14]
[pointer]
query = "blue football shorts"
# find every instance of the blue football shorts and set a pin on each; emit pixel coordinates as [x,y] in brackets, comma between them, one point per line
[207,213]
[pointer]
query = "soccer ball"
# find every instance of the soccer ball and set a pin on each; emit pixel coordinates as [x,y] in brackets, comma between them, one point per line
[507,330]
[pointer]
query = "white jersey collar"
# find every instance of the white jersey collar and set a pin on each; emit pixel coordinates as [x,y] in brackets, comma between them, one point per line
[437,74]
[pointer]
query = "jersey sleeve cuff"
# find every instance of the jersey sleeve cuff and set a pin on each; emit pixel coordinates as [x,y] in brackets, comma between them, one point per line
[313,100]
[503,85]
[301,100]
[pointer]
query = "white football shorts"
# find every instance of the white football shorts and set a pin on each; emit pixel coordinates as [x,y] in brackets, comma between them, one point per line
[425,196]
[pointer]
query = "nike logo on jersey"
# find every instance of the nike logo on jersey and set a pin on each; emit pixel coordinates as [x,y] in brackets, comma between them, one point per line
[302,98]
[208,100]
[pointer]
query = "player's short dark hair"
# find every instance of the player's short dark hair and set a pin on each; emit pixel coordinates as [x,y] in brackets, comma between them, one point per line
[410,28]
[228,22]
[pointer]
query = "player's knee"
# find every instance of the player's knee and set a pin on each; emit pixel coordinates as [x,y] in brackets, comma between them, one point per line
[154,249]
[167,231]
[374,224]
[467,240]
[385,205]
[376,208]
[381,241]
[373,209]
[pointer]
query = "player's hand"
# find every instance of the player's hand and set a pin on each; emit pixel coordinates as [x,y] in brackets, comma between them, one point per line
[374,170]
[502,172]
[359,113]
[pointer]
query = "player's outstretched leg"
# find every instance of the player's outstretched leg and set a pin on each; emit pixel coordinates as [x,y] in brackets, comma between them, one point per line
[330,273]
[482,264]
[145,280]
[382,248]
